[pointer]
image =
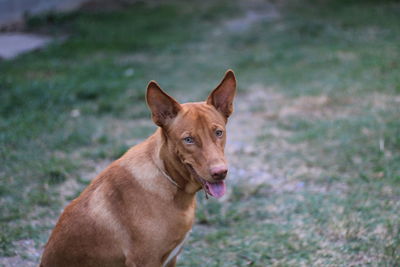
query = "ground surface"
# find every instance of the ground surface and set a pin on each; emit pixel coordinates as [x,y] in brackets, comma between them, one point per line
[314,144]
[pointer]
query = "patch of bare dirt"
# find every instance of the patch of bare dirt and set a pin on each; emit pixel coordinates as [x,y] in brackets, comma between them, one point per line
[257,116]
[105,5]
[258,147]
[255,11]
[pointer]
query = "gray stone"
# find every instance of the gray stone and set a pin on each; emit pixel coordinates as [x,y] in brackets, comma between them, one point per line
[14,44]
[13,11]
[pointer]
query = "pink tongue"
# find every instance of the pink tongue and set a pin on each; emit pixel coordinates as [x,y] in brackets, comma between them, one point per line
[216,189]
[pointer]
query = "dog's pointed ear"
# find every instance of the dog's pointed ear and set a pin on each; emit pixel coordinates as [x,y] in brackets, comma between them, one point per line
[163,107]
[222,96]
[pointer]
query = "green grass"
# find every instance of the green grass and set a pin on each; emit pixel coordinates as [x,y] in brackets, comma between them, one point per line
[350,207]
[80,102]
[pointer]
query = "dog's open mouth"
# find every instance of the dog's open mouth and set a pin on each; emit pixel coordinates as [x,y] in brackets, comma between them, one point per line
[216,189]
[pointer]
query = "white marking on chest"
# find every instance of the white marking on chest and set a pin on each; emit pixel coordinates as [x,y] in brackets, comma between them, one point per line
[176,250]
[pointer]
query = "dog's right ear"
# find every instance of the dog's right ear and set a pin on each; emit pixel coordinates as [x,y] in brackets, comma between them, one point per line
[163,107]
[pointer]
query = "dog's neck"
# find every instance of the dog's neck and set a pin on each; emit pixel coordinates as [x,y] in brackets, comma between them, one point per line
[172,167]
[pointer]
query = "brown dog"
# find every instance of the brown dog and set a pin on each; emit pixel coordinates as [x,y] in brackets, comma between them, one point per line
[139,210]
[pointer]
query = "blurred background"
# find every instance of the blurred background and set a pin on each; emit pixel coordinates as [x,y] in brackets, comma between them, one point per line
[314,144]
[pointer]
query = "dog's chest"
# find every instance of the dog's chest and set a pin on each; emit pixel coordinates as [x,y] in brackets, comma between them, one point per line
[177,232]
[176,250]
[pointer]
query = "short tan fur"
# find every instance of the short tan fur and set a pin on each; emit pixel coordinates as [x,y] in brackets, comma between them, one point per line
[141,208]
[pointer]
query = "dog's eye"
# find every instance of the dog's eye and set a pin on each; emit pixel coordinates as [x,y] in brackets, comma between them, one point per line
[188,140]
[219,133]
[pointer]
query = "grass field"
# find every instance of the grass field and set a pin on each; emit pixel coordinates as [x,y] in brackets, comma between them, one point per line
[314,145]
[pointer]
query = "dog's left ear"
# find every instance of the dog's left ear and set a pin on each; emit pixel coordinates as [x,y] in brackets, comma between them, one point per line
[222,96]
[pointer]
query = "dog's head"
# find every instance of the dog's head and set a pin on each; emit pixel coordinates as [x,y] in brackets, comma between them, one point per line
[196,131]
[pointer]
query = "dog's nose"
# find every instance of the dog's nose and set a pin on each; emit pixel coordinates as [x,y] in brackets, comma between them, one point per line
[219,172]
